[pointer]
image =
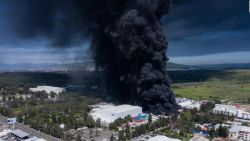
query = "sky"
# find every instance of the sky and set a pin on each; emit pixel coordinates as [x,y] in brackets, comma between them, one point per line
[199,32]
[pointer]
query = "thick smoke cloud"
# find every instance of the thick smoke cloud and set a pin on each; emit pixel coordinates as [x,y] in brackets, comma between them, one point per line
[128,43]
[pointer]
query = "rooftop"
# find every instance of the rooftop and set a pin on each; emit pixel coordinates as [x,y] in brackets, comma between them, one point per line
[19,133]
[32,139]
[162,138]
[245,129]
[199,138]
[118,109]
[121,108]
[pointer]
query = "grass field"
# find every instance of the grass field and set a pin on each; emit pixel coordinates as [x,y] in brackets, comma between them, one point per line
[233,85]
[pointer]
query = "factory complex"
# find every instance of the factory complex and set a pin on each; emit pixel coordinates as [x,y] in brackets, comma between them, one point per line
[232,110]
[188,103]
[109,113]
[48,89]
[7,134]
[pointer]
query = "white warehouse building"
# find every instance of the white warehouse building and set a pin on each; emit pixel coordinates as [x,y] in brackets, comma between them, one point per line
[109,113]
[232,110]
[48,89]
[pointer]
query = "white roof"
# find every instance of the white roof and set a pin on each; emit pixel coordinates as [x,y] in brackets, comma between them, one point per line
[235,129]
[162,138]
[245,129]
[99,109]
[47,88]
[62,126]
[242,114]
[35,139]
[185,103]
[199,138]
[5,132]
[120,108]
[116,109]
[32,139]
[19,133]
[41,139]
[225,107]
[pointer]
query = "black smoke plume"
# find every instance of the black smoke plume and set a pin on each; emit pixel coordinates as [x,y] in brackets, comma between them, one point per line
[128,43]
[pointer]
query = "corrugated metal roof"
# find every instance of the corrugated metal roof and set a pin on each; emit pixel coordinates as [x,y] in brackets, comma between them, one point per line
[19,133]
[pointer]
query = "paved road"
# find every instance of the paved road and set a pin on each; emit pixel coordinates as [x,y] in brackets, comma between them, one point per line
[31,131]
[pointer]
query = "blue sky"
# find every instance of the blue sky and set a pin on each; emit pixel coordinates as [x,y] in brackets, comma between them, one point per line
[199,32]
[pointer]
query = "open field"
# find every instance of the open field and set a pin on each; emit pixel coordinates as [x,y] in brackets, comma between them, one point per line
[232,84]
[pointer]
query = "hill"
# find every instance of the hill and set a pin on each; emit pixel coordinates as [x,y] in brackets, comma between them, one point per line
[87,65]
[173,66]
[225,66]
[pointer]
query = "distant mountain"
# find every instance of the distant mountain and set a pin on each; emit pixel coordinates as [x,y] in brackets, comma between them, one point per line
[174,66]
[90,66]
[225,66]
[47,67]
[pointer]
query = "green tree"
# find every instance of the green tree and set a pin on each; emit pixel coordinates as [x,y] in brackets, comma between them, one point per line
[150,119]
[222,131]
[212,133]
[112,138]
[121,135]
[151,127]
[245,124]
[248,100]
[98,122]
[96,132]
[52,95]
[90,132]
[127,132]
[78,137]
[205,108]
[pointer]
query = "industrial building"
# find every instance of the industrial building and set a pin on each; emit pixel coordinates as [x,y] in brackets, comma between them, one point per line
[48,89]
[109,113]
[20,135]
[5,133]
[240,132]
[162,138]
[35,139]
[198,138]
[231,110]
[188,103]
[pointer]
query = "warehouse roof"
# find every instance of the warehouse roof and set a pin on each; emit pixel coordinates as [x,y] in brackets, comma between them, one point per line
[235,128]
[20,134]
[199,138]
[162,138]
[120,108]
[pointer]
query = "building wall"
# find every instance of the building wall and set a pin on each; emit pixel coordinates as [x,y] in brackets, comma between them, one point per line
[233,135]
[133,112]
[244,136]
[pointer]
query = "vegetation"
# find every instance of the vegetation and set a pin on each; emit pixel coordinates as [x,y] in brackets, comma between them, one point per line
[231,85]
[118,122]
[222,131]
[47,117]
